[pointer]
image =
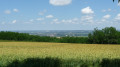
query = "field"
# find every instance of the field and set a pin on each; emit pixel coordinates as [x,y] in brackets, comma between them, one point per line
[10,51]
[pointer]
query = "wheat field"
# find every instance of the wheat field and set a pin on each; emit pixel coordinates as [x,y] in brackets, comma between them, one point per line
[10,51]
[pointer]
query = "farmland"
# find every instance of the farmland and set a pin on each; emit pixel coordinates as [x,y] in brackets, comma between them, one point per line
[10,51]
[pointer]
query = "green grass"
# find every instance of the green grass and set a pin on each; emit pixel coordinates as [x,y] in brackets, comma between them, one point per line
[68,53]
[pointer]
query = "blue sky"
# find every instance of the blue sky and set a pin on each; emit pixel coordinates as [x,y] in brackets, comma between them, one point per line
[58,14]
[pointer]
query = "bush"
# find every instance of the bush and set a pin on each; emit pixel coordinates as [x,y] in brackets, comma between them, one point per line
[36,62]
[110,63]
[54,62]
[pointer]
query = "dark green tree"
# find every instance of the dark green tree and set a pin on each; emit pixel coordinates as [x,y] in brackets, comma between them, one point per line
[118,0]
[108,35]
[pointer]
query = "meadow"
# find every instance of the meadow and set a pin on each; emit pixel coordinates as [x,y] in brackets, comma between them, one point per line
[10,51]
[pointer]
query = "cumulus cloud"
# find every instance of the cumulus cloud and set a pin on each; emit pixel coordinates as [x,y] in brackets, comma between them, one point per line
[7,11]
[87,19]
[49,16]
[104,10]
[60,2]
[31,20]
[14,21]
[55,20]
[72,21]
[117,17]
[75,19]
[15,10]
[3,23]
[104,19]
[40,19]
[107,16]
[42,12]
[108,10]
[67,21]
[87,10]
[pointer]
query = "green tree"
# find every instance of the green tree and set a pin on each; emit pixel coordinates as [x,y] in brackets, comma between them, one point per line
[118,0]
[96,37]
[108,35]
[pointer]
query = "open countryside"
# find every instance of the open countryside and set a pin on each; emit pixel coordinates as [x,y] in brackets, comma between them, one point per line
[65,51]
[59,33]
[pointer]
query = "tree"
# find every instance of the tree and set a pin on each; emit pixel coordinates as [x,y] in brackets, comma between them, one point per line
[118,0]
[108,35]
[96,37]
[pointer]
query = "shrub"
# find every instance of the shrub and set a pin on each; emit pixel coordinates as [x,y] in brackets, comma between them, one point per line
[110,63]
[36,62]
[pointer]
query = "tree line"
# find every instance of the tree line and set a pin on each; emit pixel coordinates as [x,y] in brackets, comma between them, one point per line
[108,35]
[15,36]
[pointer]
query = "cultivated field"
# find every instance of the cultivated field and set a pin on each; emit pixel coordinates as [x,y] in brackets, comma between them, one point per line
[10,51]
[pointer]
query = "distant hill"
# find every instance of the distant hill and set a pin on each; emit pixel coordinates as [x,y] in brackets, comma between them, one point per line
[58,33]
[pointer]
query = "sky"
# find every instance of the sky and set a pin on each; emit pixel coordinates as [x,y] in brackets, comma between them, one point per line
[58,14]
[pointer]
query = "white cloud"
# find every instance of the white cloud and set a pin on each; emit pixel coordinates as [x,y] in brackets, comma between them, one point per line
[31,20]
[75,19]
[69,21]
[72,21]
[108,10]
[14,21]
[49,16]
[104,10]
[3,23]
[40,19]
[60,2]
[87,18]
[42,12]
[117,17]
[55,20]
[15,10]
[7,11]
[118,4]
[103,20]
[65,21]
[107,16]
[87,10]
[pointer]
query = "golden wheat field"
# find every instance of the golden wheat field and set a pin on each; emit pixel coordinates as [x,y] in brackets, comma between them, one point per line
[20,50]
